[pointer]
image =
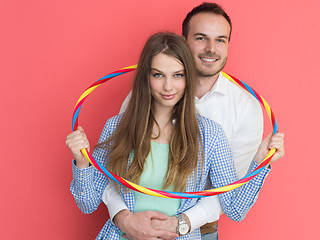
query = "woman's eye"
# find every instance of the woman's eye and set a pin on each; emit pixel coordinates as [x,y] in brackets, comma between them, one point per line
[179,75]
[157,75]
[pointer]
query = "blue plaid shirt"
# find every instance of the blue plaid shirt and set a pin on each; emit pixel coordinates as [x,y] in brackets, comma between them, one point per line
[88,184]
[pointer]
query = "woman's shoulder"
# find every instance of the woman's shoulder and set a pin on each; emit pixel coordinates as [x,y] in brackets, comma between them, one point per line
[109,127]
[115,119]
[113,122]
[212,135]
[208,125]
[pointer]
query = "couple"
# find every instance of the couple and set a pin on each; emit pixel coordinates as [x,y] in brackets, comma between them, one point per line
[160,142]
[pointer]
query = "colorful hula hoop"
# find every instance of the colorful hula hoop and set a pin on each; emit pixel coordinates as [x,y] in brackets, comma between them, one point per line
[166,194]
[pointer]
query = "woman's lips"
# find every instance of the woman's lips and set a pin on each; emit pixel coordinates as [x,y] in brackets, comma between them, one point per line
[168,96]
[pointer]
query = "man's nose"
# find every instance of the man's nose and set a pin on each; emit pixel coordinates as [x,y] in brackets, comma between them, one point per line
[210,47]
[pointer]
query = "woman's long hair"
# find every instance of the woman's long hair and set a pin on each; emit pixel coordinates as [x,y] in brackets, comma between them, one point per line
[135,128]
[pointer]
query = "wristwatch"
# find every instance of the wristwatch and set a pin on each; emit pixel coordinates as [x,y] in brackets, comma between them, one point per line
[183,227]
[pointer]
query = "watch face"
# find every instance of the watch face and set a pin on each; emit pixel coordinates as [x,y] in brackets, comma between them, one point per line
[183,229]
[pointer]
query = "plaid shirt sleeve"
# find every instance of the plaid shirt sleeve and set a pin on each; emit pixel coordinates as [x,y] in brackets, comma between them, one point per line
[235,203]
[88,184]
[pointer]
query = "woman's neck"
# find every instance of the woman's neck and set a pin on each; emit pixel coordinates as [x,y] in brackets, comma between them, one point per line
[162,130]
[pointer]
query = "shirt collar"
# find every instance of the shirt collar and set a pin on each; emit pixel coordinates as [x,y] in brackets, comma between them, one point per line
[219,87]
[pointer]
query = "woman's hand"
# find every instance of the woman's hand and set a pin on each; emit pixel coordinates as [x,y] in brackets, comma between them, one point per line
[270,142]
[76,141]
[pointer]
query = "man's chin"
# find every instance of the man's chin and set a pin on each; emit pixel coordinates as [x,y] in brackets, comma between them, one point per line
[207,74]
[210,73]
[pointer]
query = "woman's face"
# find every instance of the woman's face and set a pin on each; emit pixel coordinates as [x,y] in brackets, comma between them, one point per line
[167,81]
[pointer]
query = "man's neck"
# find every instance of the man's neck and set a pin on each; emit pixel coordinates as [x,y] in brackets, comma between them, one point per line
[204,84]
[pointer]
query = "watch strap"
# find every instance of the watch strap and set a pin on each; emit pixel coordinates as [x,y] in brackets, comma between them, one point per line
[181,221]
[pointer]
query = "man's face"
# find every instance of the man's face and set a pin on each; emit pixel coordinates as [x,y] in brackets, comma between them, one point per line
[208,39]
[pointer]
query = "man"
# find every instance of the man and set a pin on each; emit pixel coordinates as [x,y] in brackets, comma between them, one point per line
[207,29]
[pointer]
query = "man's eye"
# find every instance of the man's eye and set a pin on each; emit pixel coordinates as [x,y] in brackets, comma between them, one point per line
[221,40]
[200,38]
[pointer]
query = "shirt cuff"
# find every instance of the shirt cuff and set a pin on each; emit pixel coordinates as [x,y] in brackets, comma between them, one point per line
[112,198]
[206,210]
[82,176]
[259,179]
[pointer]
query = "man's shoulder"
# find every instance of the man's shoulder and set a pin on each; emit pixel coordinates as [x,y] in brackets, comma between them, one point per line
[239,95]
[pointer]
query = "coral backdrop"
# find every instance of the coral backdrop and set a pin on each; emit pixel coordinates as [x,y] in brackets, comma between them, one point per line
[51,51]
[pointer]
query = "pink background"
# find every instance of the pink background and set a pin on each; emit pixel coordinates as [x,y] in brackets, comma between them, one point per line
[51,51]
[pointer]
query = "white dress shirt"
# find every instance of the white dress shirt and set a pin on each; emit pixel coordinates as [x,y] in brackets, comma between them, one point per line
[241,118]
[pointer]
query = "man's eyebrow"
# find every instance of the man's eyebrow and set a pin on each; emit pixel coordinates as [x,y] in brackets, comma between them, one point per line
[204,35]
[200,34]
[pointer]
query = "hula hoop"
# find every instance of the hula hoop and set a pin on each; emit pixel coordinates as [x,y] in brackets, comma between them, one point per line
[168,194]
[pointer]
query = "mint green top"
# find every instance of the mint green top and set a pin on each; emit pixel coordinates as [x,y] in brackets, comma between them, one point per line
[154,171]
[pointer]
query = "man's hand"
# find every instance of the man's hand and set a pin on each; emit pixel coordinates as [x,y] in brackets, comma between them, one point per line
[138,226]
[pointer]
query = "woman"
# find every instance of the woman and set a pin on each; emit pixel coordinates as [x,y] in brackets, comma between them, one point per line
[160,142]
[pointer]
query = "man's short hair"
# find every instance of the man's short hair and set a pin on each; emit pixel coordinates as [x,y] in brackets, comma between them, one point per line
[206,8]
